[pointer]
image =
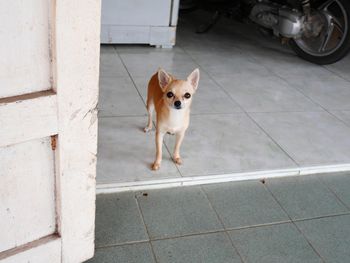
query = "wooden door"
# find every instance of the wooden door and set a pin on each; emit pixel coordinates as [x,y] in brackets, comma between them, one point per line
[49,63]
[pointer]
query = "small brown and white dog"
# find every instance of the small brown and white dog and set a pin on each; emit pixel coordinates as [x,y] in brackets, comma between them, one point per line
[171,99]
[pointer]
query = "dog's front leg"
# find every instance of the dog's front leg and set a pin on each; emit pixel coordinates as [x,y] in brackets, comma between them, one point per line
[159,146]
[179,138]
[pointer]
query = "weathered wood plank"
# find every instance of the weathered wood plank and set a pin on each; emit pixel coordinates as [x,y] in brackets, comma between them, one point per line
[44,250]
[25,56]
[27,193]
[28,117]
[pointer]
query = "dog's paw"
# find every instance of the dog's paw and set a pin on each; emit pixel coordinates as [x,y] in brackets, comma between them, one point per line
[147,129]
[178,160]
[155,166]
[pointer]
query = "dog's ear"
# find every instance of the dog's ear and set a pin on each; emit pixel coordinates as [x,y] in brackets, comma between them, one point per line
[193,78]
[163,78]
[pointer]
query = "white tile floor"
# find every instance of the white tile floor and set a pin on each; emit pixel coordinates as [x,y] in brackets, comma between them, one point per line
[258,107]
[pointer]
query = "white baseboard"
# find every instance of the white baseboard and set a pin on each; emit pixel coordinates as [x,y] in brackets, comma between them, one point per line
[219,178]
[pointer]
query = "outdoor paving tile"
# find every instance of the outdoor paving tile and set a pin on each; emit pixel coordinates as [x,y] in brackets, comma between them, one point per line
[329,236]
[207,248]
[179,211]
[118,220]
[217,144]
[208,99]
[310,138]
[119,97]
[305,197]
[125,152]
[265,93]
[135,253]
[241,204]
[273,244]
[340,185]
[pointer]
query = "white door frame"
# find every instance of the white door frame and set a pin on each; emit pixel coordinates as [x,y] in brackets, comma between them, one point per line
[67,113]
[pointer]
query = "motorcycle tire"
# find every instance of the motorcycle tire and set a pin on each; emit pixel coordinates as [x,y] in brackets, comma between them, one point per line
[331,57]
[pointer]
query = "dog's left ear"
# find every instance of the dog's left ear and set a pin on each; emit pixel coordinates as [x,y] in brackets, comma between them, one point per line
[193,78]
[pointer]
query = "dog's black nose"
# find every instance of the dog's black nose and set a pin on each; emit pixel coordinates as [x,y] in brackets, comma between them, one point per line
[177,104]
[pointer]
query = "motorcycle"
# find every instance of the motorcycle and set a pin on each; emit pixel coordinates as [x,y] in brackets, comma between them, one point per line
[317,30]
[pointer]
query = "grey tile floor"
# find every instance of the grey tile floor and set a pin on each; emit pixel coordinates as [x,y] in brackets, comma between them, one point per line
[296,219]
[258,107]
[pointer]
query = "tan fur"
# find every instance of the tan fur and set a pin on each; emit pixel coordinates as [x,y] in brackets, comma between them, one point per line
[169,119]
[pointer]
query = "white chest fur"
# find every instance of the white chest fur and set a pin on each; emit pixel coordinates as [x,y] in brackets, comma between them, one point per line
[178,120]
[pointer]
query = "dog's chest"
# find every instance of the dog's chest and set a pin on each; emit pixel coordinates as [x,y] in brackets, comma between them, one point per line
[176,121]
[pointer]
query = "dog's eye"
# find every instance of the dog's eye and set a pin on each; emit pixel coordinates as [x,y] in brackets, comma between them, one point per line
[187,95]
[170,94]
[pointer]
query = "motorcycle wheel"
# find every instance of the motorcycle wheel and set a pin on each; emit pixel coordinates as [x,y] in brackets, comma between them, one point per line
[333,42]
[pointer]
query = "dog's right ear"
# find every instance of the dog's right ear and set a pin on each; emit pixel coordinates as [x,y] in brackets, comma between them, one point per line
[163,78]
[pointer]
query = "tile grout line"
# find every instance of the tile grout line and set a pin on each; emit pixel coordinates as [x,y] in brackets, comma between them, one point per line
[213,79]
[145,226]
[189,235]
[295,225]
[329,111]
[335,116]
[222,224]
[122,244]
[302,92]
[132,80]
[221,230]
[309,242]
[224,230]
[135,86]
[243,110]
[271,138]
[334,193]
[321,217]
[336,73]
